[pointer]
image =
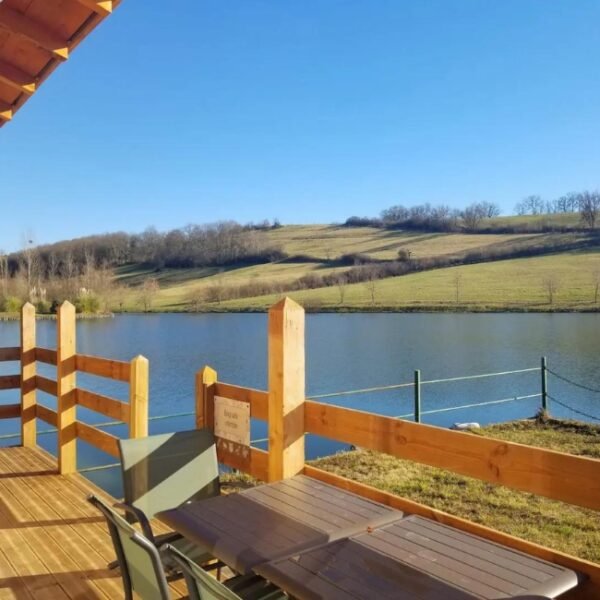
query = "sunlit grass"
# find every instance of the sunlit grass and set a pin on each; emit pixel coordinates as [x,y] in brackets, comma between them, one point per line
[547,522]
[510,284]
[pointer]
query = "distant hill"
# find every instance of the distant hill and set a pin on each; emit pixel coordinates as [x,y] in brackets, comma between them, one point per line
[327,267]
[541,262]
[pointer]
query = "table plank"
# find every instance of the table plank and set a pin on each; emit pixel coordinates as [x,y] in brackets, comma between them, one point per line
[469,561]
[416,559]
[347,570]
[275,520]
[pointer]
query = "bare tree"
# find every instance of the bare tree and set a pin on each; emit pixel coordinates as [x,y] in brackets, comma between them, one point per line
[52,266]
[531,205]
[30,264]
[3,274]
[457,280]
[371,285]
[551,285]
[473,214]
[596,280]
[589,208]
[490,209]
[196,298]
[148,292]
[341,284]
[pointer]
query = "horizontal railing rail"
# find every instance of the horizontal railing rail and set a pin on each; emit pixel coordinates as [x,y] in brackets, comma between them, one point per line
[103,367]
[46,355]
[10,354]
[559,476]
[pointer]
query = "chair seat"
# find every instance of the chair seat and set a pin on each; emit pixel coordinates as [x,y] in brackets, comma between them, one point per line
[197,553]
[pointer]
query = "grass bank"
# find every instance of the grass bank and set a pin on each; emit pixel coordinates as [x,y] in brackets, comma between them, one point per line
[550,523]
[557,525]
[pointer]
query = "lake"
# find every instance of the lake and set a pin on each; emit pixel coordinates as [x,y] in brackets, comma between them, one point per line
[343,352]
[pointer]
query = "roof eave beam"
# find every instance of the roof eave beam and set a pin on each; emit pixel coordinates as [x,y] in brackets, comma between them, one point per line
[16,78]
[19,24]
[6,112]
[101,7]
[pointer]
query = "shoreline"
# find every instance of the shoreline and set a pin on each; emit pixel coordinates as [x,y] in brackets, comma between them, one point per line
[378,309]
[374,310]
[52,317]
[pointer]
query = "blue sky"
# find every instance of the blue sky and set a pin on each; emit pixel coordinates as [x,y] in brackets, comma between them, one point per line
[312,111]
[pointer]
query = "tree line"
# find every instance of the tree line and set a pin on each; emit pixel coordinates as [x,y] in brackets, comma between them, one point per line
[430,217]
[476,216]
[218,244]
[82,270]
[586,203]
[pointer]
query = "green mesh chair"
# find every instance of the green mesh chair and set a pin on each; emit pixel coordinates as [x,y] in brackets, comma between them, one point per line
[138,558]
[201,586]
[165,471]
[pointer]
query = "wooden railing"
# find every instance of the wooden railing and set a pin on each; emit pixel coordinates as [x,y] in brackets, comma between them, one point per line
[68,396]
[10,382]
[556,475]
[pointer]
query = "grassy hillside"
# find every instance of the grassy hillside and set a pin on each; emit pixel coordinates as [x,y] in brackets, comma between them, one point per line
[329,242]
[516,284]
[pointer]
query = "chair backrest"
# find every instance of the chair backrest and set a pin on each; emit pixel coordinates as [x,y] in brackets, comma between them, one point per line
[164,471]
[139,560]
[201,585]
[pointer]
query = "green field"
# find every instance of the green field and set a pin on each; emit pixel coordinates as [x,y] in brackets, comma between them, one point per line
[517,284]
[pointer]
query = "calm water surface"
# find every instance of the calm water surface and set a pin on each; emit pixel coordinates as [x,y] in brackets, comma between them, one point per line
[343,352]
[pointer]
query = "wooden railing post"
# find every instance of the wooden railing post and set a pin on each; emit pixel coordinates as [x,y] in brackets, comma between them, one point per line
[286,389]
[138,397]
[28,400]
[205,408]
[65,384]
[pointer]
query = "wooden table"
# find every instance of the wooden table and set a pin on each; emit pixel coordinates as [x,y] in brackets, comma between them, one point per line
[275,520]
[415,559]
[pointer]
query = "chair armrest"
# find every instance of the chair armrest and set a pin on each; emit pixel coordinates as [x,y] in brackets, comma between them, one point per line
[139,517]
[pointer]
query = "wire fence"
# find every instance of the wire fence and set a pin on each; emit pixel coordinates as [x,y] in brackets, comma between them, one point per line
[417,412]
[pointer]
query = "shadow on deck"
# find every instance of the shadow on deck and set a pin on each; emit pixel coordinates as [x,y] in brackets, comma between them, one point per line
[53,545]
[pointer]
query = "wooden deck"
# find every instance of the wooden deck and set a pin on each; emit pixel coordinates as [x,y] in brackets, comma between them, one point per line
[53,544]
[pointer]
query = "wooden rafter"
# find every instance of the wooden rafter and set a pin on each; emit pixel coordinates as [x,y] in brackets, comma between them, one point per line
[19,24]
[6,112]
[16,78]
[102,7]
[38,42]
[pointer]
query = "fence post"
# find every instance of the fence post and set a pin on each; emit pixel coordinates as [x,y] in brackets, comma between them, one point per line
[138,397]
[544,373]
[417,396]
[65,385]
[28,399]
[205,392]
[286,389]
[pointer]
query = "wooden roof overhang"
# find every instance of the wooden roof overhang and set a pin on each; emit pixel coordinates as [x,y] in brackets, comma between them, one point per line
[35,37]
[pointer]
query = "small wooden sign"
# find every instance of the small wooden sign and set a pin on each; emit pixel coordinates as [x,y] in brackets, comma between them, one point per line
[232,420]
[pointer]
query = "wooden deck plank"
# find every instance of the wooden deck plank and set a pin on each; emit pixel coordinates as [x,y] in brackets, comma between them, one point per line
[12,587]
[54,544]
[65,551]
